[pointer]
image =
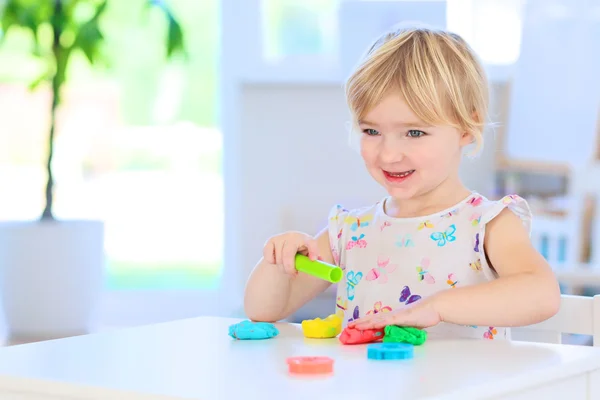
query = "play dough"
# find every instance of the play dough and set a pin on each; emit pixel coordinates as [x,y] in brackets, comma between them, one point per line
[310,365]
[355,336]
[322,328]
[248,330]
[390,351]
[404,334]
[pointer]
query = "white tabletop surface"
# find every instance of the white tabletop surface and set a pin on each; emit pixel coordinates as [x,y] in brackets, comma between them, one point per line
[196,359]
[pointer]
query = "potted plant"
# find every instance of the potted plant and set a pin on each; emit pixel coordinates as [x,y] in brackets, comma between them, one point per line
[52,271]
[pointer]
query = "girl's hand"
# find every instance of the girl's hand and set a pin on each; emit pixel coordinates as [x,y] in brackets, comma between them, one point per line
[281,250]
[421,314]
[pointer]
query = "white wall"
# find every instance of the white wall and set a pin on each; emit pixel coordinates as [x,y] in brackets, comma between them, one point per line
[295,162]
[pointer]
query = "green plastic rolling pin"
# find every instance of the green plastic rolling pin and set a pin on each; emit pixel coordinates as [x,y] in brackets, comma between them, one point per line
[319,269]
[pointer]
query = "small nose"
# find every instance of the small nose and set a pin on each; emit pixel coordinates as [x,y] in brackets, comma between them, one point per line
[391,150]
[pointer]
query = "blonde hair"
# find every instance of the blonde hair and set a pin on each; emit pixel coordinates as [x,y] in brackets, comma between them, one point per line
[437,73]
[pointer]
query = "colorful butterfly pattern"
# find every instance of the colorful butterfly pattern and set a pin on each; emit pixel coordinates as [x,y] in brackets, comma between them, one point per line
[511,198]
[451,213]
[336,255]
[339,209]
[357,241]
[358,222]
[405,241]
[407,297]
[352,279]
[475,201]
[476,265]
[355,315]
[425,224]
[380,273]
[379,307]
[452,280]
[419,258]
[444,237]
[424,274]
[341,306]
[490,333]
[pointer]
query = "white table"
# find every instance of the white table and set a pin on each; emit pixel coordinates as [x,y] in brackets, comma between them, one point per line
[196,359]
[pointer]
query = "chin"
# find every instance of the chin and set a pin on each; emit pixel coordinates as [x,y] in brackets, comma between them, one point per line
[398,191]
[402,193]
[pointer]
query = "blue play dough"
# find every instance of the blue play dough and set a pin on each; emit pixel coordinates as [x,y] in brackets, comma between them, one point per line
[390,351]
[248,330]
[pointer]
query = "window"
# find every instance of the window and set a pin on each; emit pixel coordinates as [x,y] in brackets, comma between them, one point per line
[299,28]
[309,27]
[137,147]
[492,27]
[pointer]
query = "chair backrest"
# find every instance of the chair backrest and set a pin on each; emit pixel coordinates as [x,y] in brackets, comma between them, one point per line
[577,315]
[553,237]
[566,241]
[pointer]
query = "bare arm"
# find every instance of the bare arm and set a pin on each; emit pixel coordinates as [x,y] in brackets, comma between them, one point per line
[525,293]
[273,294]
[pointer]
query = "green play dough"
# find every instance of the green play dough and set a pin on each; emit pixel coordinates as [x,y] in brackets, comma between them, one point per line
[404,334]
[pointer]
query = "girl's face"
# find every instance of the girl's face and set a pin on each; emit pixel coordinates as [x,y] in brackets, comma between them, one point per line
[407,157]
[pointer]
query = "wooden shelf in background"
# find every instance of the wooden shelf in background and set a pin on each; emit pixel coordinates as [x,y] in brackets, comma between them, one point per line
[548,212]
[533,167]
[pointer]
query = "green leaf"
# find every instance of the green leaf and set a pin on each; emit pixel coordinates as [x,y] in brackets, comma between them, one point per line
[43,77]
[69,7]
[89,37]
[175,37]
[28,14]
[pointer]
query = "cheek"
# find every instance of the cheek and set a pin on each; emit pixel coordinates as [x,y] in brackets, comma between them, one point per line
[433,156]
[368,151]
[423,156]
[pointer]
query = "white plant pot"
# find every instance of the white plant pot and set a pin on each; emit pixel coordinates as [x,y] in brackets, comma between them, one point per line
[51,277]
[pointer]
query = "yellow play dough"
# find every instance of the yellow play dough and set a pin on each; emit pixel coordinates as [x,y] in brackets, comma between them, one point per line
[319,328]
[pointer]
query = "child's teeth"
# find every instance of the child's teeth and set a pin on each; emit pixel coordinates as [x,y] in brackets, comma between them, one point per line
[400,174]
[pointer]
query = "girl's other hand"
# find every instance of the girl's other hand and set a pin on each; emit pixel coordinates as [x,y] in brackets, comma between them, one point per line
[421,314]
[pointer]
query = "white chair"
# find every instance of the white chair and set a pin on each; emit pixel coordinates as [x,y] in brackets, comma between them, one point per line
[582,227]
[554,237]
[577,315]
[563,240]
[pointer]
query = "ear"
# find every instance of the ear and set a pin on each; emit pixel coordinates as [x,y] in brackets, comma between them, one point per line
[466,139]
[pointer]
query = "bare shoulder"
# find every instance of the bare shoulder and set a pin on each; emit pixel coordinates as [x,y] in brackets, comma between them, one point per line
[508,246]
[506,226]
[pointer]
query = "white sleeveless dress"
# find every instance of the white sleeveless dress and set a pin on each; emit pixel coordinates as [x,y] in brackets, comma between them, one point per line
[391,262]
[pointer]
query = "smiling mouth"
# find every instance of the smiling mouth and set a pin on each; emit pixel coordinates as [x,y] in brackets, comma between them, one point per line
[403,174]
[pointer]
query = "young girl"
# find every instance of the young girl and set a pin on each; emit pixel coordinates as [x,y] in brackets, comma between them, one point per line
[432,254]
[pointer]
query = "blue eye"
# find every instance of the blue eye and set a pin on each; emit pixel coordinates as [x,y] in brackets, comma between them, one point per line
[415,133]
[370,132]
